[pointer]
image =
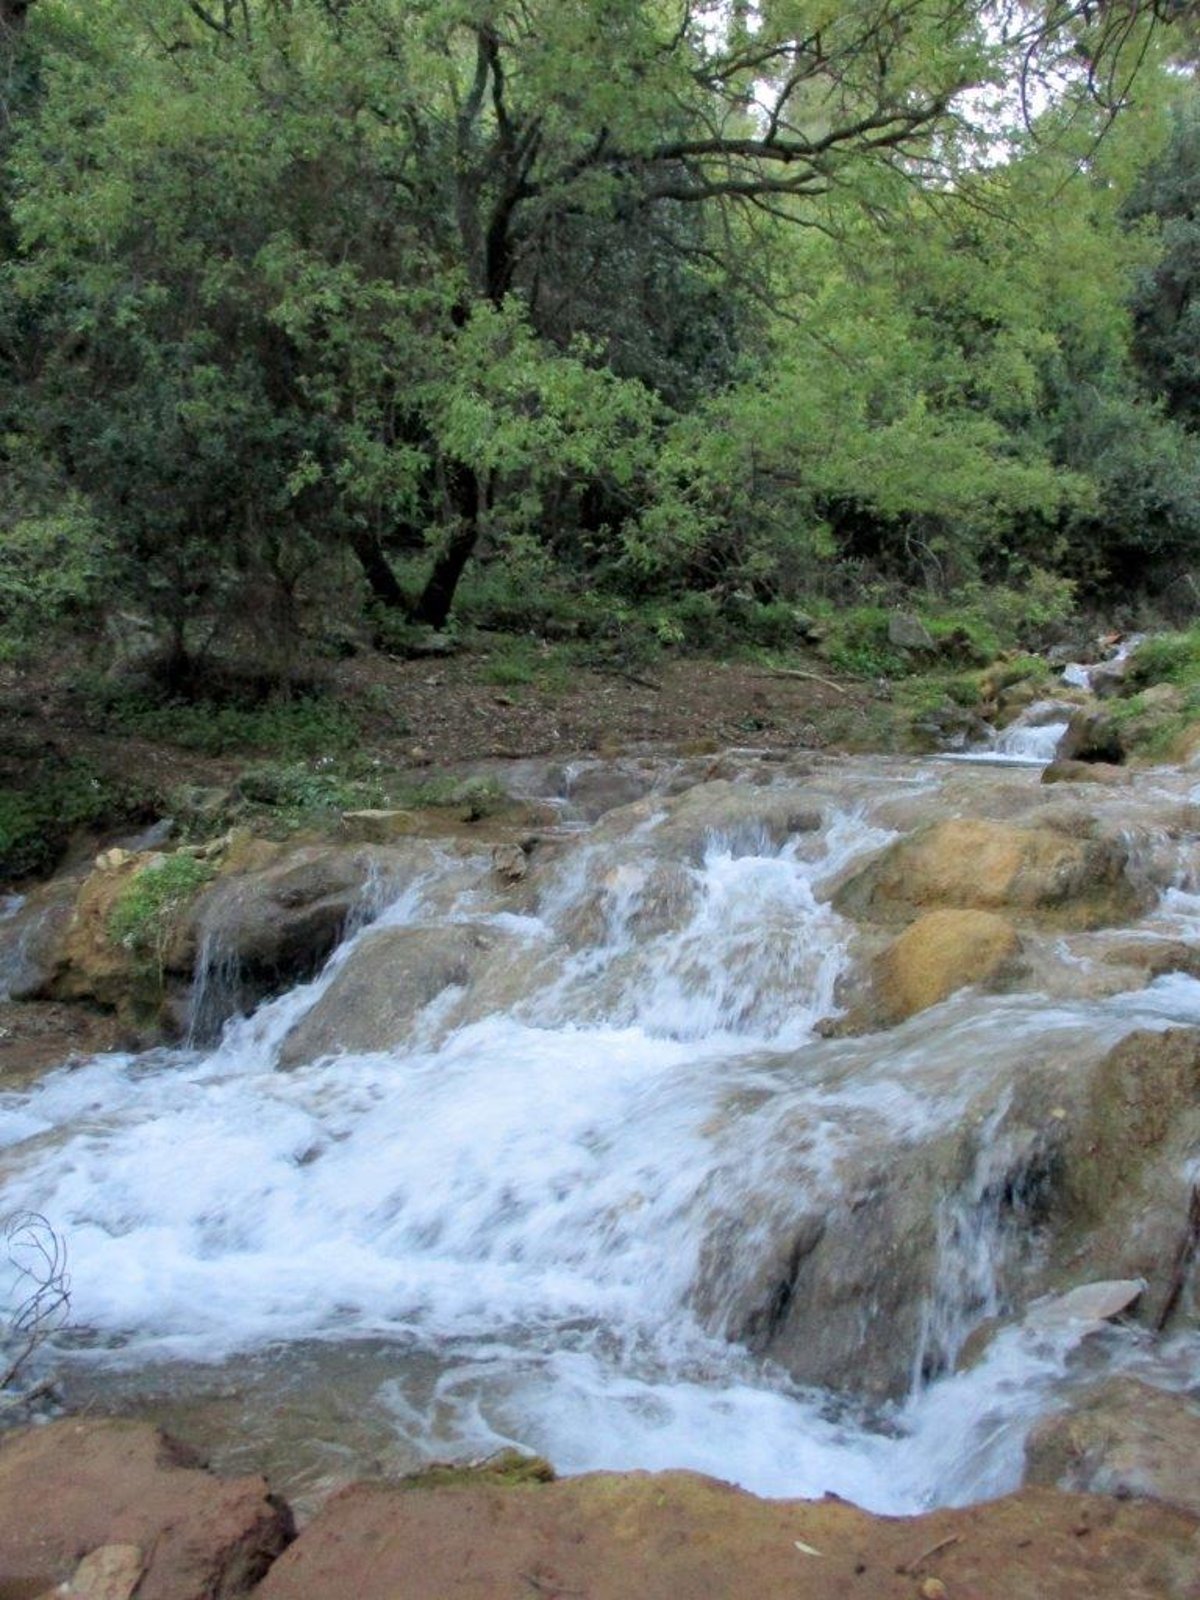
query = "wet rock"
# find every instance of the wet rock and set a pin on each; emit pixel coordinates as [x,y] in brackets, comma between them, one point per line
[275,926]
[377,826]
[1127,1201]
[1047,876]
[940,952]
[871,1232]
[638,872]
[1124,1438]
[596,789]
[1107,679]
[949,727]
[509,862]
[383,985]
[1060,771]
[38,1035]
[73,1488]
[1014,699]
[1093,734]
[636,898]
[679,1536]
[742,819]
[31,940]
[1088,1305]
[111,1573]
[1154,957]
[89,963]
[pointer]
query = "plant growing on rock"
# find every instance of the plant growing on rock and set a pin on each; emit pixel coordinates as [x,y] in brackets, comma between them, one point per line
[144,918]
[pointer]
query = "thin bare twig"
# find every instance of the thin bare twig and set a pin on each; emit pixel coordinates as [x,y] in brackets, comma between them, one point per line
[39,1255]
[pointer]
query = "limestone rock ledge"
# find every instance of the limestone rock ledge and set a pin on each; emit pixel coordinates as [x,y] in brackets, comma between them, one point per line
[75,1496]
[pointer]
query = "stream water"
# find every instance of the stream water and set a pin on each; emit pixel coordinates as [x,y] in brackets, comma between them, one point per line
[502,1232]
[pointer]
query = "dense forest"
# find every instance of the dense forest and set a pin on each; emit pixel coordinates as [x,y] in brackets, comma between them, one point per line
[310,307]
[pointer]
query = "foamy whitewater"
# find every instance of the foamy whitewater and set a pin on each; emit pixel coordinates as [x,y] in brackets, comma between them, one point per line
[515,1209]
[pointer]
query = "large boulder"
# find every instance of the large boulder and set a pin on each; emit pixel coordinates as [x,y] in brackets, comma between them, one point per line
[263,929]
[907,632]
[1122,1437]
[1064,771]
[384,983]
[679,1536]
[1042,875]
[739,817]
[91,964]
[71,1488]
[1070,1161]
[1128,1205]
[854,1214]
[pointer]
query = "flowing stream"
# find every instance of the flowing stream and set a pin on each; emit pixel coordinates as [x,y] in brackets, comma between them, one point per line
[532,1222]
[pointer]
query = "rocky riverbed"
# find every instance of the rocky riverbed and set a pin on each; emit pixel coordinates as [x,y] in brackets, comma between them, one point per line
[823,1124]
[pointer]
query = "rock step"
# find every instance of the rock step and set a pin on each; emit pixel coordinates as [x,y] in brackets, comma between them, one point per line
[115,1510]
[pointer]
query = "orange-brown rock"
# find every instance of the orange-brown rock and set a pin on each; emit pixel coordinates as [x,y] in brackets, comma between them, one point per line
[940,952]
[1087,772]
[1051,877]
[678,1536]
[70,1488]
[90,964]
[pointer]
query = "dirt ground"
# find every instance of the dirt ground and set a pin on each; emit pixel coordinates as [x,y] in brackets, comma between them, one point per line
[455,714]
[448,711]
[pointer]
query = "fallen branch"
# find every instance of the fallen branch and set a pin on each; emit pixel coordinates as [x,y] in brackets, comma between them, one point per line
[808,677]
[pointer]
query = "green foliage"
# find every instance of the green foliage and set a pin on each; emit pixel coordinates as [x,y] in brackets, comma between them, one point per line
[290,287]
[38,817]
[1166,299]
[52,569]
[143,918]
[858,644]
[1167,658]
[301,788]
[308,726]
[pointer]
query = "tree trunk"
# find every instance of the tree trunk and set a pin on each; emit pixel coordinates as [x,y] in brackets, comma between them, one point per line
[380,578]
[12,14]
[437,597]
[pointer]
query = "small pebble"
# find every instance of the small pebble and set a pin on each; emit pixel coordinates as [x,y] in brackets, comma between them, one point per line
[932,1589]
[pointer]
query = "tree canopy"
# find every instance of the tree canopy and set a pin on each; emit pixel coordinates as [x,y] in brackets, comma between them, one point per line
[654,295]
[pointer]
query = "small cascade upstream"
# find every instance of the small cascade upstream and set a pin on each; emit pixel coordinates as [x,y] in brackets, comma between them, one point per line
[570,1211]
[1029,741]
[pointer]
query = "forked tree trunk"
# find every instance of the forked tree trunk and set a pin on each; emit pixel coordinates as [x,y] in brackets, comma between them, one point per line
[433,607]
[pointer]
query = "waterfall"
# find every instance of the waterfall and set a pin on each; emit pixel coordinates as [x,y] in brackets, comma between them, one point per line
[583,1202]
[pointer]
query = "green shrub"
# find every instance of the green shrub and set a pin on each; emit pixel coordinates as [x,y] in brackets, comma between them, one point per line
[311,725]
[857,643]
[303,796]
[38,816]
[1167,658]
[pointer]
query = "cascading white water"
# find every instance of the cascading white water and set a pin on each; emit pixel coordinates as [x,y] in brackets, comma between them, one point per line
[1031,740]
[521,1207]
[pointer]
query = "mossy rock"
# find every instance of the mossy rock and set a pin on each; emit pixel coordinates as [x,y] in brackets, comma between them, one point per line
[506,1469]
